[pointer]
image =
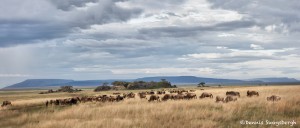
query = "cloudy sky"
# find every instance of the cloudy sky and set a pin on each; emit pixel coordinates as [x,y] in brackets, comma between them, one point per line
[108,39]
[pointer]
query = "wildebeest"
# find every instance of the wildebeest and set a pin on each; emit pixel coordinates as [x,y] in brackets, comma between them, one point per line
[154,98]
[68,101]
[167,97]
[172,91]
[182,91]
[230,98]
[192,90]
[233,93]
[6,103]
[179,97]
[130,95]
[151,93]
[273,98]
[161,92]
[252,93]
[47,103]
[191,96]
[120,98]
[89,99]
[218,99]
[112,98]
[72,101]
[142,95]
[205,94]
[116,93]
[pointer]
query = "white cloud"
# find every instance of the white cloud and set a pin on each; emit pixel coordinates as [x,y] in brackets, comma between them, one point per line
[256,47]
[164,71]
[257,52]
[14,75]
[226,35]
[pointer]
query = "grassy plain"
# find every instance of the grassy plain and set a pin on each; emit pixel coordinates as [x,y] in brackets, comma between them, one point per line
[28,110]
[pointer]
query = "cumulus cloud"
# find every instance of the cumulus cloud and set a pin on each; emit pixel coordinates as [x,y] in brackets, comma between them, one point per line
[276,12]
[98,39]
[256,47]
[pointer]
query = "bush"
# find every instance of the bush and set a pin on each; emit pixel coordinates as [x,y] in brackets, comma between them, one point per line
[66,89]
[102,88]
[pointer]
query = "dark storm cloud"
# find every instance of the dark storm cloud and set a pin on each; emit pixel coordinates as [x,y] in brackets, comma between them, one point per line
[183,31]
[32,23]
[69,4]
[22,33]
[265,12]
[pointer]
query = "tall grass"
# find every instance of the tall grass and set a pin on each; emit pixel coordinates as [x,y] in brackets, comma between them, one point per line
[136,113]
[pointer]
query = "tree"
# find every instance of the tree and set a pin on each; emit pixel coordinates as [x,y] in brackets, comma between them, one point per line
[102,88]
[201,84]
[120,83]
[66,89]
[105,84]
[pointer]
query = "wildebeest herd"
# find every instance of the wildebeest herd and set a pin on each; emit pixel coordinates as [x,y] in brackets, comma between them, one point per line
[162,95]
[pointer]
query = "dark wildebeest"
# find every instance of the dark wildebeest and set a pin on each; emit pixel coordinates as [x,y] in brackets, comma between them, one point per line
[73,101]
[191,96]
[6,103]
[252,93]
[161,92]
[152,92]
[51,102]
[273,98]
[142,95]
[120,98]
[78,99]
[105,99]
[57,102]
[112,98]
[172,91]
[205,94]
[116,93]
[47,103]
[153,98]
[230,98]
[233,93]
[192,90]
[179,97]
[218,99]
[130,95]
[167,97]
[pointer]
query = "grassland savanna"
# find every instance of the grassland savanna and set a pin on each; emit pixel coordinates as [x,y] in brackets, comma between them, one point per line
[29,111]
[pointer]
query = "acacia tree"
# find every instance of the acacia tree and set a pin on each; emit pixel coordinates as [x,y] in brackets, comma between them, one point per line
[66,89]
[120,83]
[104,87]
[201,84]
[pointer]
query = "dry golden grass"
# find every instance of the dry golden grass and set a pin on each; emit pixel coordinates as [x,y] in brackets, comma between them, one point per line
[29,112]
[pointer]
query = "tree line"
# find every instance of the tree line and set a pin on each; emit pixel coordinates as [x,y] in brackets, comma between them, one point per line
[121,85]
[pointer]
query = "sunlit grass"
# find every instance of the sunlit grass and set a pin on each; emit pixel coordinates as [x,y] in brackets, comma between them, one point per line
[30,111]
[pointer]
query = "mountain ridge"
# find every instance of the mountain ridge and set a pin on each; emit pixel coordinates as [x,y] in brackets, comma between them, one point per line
[43,83]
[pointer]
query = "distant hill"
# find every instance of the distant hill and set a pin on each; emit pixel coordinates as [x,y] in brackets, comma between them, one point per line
[39,83]
[190,79]
[180,80]
[276,79]
[44,83]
